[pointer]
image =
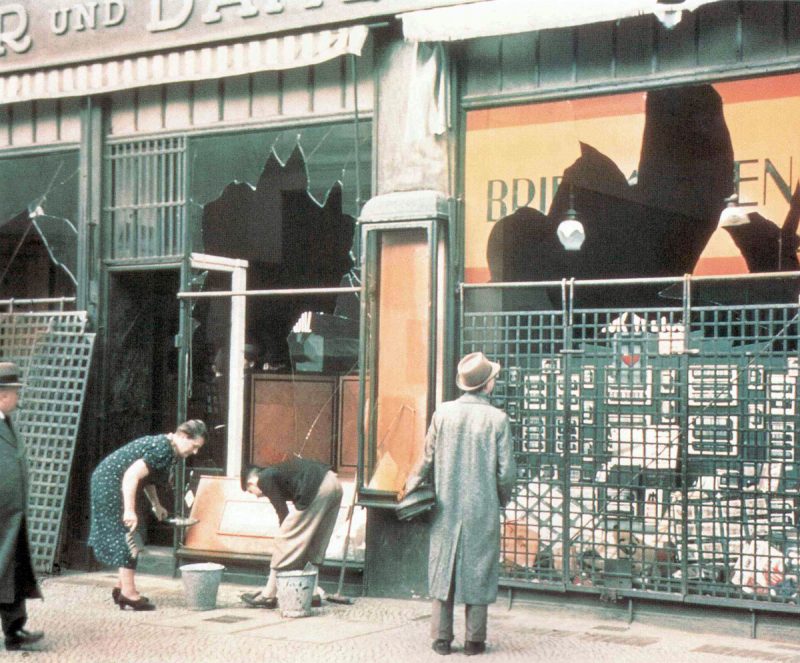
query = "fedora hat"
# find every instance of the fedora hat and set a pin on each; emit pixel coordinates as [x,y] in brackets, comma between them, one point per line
[9,375]
[474,371]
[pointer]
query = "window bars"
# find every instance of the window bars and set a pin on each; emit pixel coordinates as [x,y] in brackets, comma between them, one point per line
[145,198]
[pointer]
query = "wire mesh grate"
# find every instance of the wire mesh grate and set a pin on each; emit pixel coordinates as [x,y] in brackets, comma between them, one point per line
[54,353]
[656,446]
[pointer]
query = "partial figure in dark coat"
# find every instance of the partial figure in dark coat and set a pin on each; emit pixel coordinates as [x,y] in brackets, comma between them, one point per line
[17,580]
[469,449]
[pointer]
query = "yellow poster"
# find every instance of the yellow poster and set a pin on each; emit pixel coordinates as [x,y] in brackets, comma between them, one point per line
[516,157]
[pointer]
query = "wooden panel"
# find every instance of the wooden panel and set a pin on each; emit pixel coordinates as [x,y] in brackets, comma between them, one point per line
[403,332]
[205,103]
[291,416]
[365,78]
[296,93]
[328,82]
[556,48]
[595,52]
[150,110]
[236,99]
[71,120]
[47,121]
[220,505]
[347,452]
[716,34]
[5,130]
[793,28]
[178,108]
[266,95]
[634,54]
[482,59]
[123,113]
[22,124]
[763,30]
[676,47]
[519,61]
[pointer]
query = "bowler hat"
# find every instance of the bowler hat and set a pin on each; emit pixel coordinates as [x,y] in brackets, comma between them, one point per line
[9,375]
[474,371]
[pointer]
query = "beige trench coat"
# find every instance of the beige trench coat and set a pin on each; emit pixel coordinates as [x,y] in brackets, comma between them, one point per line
[469,448]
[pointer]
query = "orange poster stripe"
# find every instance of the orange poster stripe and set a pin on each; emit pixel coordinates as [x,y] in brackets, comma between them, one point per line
[721,265]
[717,266]
[753,89]
[556,111]
[477,275]
[757,89]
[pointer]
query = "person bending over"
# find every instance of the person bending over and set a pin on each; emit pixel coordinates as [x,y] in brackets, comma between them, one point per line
[305,532]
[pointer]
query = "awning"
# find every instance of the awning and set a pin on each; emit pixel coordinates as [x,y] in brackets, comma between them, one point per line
[192,64]
[501,17]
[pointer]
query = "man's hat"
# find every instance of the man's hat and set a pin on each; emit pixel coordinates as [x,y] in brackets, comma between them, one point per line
[9,375]
[474,371]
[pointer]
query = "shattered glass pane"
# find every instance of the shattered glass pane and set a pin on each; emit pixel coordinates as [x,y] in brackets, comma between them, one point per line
[286,201]
[38,235]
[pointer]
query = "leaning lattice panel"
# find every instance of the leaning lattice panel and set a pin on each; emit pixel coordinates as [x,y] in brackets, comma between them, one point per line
[49,418]
[19,331]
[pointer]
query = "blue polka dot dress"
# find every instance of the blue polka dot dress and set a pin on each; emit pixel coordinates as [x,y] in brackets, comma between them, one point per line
[107,534]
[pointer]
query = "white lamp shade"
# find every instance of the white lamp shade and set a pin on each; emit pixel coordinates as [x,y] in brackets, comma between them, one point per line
[733,216]
[571,234]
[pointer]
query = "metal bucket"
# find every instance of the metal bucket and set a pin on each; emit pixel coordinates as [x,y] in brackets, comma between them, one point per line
[295,591]
[200,583]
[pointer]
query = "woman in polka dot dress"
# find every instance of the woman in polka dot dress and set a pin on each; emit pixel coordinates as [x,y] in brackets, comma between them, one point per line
[115,480]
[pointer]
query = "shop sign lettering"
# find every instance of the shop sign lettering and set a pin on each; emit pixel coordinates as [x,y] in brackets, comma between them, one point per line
[36,33]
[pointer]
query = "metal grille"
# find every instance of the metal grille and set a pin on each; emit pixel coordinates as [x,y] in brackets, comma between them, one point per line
[54,352]
[145,198]
[657,446]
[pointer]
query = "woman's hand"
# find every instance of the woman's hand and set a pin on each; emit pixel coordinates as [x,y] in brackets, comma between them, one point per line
[159,511]
[130,520]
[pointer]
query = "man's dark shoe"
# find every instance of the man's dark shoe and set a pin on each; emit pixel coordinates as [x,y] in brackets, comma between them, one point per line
[441,647]
[22,638]
[472,648]
[255,600]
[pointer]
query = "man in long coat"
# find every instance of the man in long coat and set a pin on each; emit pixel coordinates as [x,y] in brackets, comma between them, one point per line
[469,447]
[17,580]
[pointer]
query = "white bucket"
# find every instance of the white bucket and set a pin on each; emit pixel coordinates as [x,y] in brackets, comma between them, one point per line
[295,591]
[200,583]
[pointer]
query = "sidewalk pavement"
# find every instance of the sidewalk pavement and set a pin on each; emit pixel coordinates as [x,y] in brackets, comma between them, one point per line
[81,623]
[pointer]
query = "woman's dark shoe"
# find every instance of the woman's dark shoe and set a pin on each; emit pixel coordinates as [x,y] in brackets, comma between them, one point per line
[472,648]
[441,647]
[115,594]
[22,638]
[142,603]
[255,600]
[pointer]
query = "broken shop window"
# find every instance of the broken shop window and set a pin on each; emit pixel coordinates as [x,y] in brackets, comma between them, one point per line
[648,176]
[38,235]
[293,219]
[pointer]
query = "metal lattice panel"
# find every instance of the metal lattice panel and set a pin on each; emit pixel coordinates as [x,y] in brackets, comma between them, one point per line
[54,353]
[20,331]
[657,447]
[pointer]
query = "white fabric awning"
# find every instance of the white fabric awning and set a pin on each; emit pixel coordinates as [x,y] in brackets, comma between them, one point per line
[501,17]
[192,64]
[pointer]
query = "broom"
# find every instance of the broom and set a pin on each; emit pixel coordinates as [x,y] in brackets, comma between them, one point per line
[338,597]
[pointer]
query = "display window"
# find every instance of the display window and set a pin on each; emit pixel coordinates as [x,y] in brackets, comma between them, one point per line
[646,174]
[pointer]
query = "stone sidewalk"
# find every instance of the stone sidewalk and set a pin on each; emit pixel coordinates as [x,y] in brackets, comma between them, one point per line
[82,624]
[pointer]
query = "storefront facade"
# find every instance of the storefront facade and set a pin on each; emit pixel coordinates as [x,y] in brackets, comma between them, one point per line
[461,142]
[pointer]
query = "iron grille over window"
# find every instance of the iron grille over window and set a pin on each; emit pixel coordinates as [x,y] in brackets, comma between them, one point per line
[145,200]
